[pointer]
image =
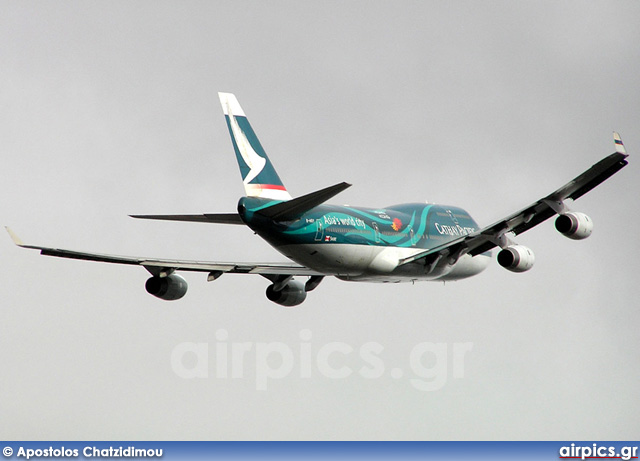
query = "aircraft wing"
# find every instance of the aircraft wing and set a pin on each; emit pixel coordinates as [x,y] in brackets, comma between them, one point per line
[494,235]
[156,266]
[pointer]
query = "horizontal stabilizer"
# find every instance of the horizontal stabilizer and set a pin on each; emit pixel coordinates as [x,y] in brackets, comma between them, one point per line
[293,209]
[218,218]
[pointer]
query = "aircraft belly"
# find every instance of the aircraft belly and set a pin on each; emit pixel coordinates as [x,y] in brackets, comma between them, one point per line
[358,263]
[343,259]
[353,260]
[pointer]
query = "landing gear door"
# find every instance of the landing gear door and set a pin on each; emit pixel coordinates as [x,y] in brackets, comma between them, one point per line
[376,232]
[319,231]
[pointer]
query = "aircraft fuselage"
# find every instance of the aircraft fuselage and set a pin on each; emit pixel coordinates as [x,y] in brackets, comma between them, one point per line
[355,243]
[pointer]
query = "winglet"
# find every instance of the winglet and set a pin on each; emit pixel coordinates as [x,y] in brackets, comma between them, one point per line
[618,142]
[14,237]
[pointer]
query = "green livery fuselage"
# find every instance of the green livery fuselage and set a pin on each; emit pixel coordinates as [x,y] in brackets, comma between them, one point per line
[411,225]
[353,239]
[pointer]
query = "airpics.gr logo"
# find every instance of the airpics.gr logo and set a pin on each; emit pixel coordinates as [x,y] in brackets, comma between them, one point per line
[598,451]
[428,366]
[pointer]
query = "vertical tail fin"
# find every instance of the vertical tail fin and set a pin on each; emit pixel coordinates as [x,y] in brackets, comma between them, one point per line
[258,174]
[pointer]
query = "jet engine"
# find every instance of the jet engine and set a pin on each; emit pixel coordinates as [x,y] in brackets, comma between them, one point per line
[292,294]
[576,226]
[169,288]
[516,258]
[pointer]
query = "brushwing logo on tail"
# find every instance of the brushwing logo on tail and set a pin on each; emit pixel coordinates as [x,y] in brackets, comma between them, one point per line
[250,156]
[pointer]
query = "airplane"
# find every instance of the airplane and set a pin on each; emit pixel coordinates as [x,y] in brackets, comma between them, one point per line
[400,243]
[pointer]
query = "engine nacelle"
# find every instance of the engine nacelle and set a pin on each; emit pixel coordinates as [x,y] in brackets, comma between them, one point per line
[516,258]
[169,288]
[576,226]
[291,295]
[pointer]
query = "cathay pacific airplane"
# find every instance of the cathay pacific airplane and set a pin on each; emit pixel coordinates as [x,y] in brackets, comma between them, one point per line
[400,243]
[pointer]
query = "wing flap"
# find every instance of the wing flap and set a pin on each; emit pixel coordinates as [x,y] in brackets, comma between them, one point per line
[591,178]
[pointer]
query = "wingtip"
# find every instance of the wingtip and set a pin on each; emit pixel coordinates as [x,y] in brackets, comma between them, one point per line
[14,237]
[618,142]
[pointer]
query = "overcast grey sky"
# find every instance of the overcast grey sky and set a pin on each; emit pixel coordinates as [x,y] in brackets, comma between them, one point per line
[110,108]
